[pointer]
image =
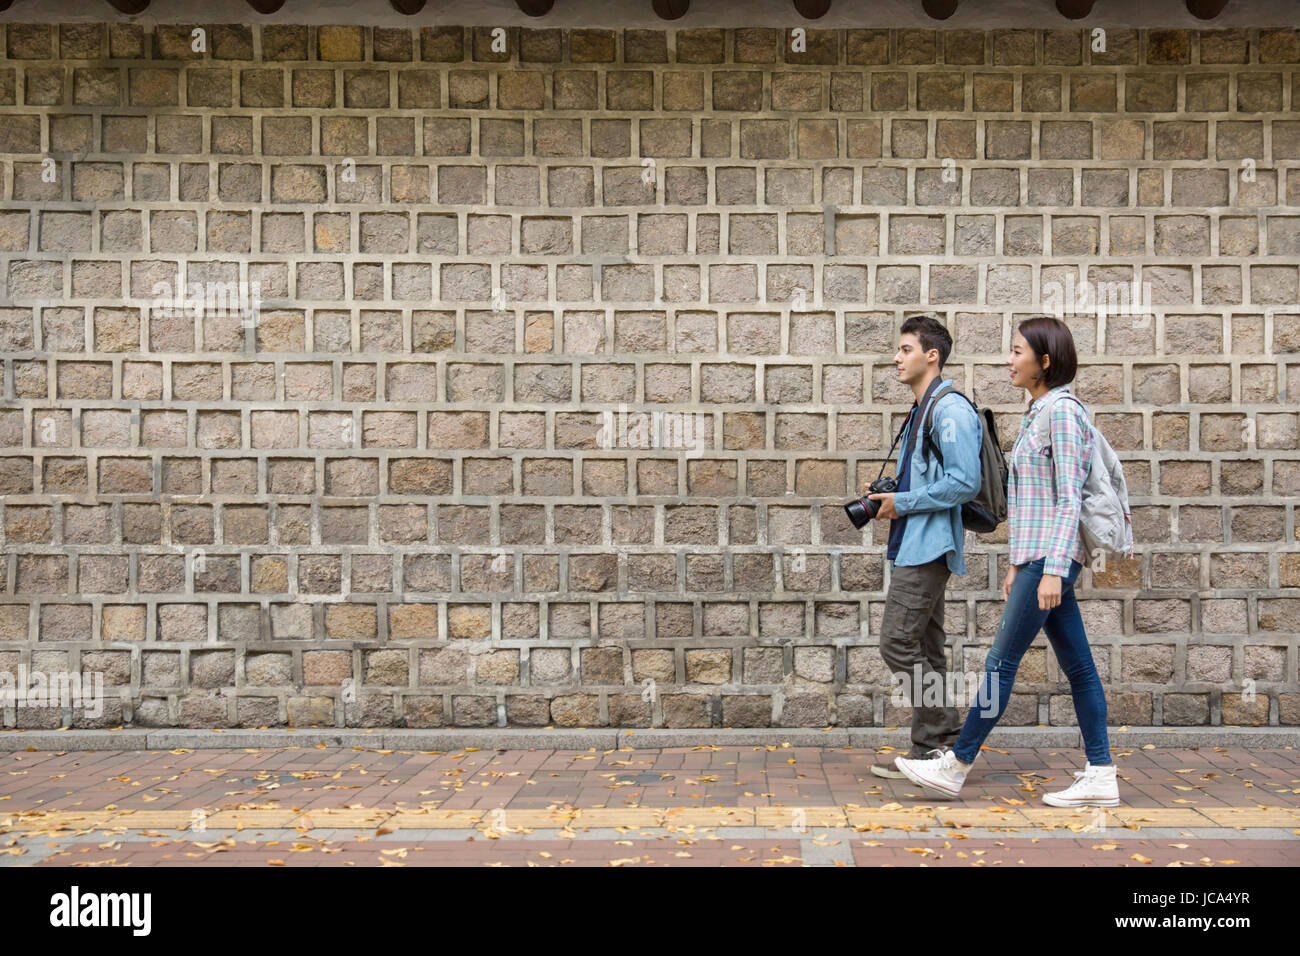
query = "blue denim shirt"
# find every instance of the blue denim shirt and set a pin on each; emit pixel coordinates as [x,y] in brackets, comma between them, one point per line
[936,493]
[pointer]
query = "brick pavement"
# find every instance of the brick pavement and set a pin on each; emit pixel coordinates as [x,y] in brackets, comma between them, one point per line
[680,806]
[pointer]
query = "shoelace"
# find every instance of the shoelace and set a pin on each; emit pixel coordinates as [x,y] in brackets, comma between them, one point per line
[1080,773]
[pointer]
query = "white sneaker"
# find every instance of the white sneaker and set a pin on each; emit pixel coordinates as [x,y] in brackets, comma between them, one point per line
[1094,787]
[943,774]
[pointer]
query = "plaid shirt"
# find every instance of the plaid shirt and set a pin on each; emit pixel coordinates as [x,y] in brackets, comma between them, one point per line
[1041,527]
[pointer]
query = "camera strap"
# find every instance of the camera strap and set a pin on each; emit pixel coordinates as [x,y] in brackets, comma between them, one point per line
[911,439]
[927,400]
[890,456]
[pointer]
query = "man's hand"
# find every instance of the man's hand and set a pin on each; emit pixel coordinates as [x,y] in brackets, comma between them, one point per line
[886,505]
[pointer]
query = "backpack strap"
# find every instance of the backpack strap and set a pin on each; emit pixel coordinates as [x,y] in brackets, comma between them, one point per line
[1043,423]
[932,394]
[929,444]
[1043,430]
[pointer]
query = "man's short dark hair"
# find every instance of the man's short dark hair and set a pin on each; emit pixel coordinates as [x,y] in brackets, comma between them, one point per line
[1047,335]
[932,334]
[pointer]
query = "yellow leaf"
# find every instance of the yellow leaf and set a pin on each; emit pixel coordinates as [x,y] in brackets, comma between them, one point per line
[1140,858]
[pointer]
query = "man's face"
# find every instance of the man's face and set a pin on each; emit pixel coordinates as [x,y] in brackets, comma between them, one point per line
[910,359]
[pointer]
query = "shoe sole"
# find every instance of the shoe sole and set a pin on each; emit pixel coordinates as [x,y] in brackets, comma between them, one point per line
[916,779]
[1097,802]
[886,772]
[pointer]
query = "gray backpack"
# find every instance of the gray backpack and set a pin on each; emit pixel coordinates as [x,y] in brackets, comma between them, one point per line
[1105,521]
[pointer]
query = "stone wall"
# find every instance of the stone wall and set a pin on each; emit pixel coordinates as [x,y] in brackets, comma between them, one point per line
[392,472]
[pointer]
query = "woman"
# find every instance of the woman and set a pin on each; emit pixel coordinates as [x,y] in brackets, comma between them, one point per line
[1045,558]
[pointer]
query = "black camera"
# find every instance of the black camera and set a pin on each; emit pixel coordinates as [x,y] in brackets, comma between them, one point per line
[861,510]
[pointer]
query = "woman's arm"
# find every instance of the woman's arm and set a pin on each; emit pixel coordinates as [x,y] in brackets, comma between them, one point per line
[1071,454]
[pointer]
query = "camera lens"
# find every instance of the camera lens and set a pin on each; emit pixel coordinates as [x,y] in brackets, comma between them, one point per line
[860,511]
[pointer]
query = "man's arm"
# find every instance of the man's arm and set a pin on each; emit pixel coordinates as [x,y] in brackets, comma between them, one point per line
[958,430]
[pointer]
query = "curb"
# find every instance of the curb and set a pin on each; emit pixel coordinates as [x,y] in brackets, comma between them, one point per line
[512,738]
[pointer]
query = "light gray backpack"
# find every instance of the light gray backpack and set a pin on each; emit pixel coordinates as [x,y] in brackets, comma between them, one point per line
[1104,518]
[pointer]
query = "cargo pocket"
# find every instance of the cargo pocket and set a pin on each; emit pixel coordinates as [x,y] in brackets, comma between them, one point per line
[907,612]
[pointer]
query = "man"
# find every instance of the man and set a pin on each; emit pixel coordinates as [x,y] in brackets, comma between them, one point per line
[925,534]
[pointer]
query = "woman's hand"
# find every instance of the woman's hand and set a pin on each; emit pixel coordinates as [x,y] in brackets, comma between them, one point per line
[1007,582]
[1049,592]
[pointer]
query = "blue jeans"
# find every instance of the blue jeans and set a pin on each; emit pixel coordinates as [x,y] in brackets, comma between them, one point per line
[1021,622]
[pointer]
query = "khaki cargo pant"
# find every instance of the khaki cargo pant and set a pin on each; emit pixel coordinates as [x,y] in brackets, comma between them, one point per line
[912,643]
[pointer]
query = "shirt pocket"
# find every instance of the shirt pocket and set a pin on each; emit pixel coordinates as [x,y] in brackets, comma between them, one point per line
[1031,451]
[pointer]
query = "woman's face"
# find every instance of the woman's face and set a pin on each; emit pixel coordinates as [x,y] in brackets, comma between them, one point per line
[1023,363]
